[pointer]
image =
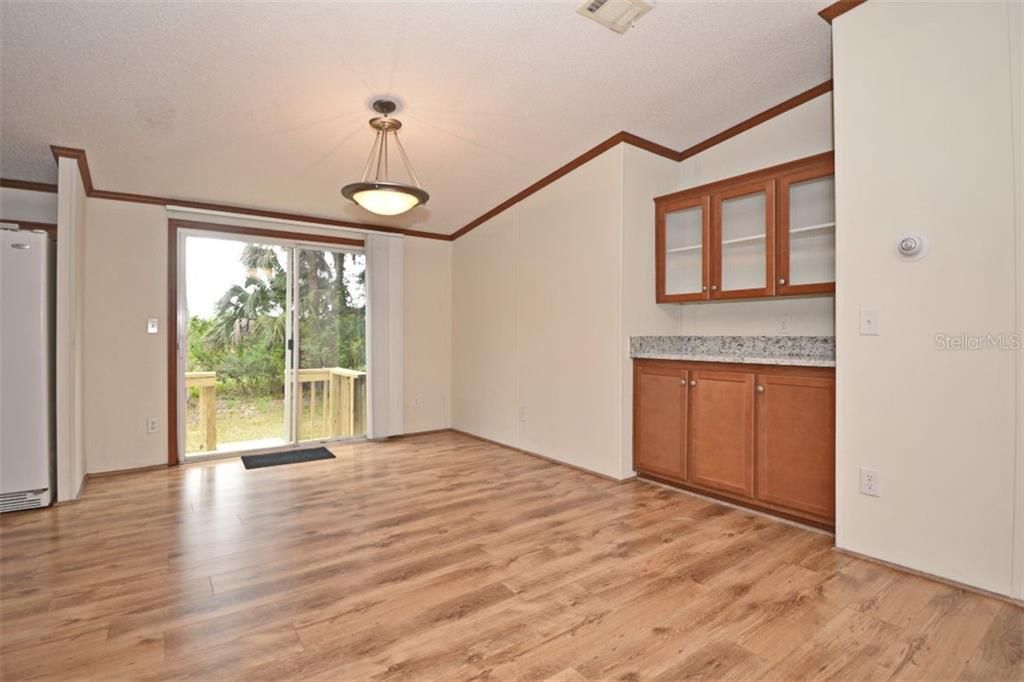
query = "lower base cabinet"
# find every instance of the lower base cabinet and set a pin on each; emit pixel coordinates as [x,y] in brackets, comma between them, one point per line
[759,435]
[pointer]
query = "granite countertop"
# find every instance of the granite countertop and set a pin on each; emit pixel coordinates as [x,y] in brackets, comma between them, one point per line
[805,351]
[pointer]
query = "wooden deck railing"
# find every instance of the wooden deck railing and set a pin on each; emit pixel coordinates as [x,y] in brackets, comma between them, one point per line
[342,403]
[335,408]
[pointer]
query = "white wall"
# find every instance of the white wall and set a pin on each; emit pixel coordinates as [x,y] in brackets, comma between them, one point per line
[70,338]
[568,309]
[537,306]
[125,367]
[803,131]
[924,143]
[428,333]
[1016,28]
[125,380]
[485,380]
[23,204]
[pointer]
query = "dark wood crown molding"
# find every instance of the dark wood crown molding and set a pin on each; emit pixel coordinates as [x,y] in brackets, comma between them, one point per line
[757,119]
[621,137]
[838,8]
[29,185]
[653,147]
[91,191]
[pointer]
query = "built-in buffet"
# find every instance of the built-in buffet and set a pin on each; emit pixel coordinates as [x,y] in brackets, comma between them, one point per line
[766,233]
[747,419]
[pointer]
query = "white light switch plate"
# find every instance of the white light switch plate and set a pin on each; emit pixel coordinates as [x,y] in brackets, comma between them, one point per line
[152,326]
[870,321]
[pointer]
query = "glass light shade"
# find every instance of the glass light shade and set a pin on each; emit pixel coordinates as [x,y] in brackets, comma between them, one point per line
[385,198]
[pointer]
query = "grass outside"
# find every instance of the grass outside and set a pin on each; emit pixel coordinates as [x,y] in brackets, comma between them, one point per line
[247,418]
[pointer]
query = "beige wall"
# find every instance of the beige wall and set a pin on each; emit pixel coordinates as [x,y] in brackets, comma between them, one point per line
[125,368]
[485,381]
[72,231]
[125,381]
[537,344]
[924,143]
[428,334]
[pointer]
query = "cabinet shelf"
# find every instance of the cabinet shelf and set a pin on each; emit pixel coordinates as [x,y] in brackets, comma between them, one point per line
[824,227]
[725,242]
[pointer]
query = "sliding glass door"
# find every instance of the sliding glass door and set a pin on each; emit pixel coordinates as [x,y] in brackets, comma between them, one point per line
[330,319]
[274,352]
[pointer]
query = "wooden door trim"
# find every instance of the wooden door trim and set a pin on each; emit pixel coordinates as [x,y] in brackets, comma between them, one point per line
[174,226]
[660,246]
[767,186]
[822,169]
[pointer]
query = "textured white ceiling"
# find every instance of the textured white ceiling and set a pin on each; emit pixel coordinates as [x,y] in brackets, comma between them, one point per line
[265,104]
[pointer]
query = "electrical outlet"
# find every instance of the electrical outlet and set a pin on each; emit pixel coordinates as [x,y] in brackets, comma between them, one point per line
[151,425]
[870,482]
[783,324]
[522,413]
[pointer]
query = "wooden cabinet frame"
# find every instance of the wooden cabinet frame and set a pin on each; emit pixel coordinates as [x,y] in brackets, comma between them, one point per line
[820,169]
[661,245]
[742,190]
[775,181]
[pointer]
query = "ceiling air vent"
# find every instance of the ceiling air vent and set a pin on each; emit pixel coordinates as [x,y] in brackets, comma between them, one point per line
[618,15]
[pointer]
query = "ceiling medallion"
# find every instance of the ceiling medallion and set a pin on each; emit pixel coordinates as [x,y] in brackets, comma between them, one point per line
[375,191]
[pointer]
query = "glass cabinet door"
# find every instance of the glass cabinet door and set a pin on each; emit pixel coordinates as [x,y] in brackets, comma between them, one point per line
[745,236]
[684,259]
[807,236]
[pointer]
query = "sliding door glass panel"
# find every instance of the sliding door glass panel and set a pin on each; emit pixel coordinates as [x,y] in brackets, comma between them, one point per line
[744,242]
[812,231]
[684,251]
[330,386]
[236,295]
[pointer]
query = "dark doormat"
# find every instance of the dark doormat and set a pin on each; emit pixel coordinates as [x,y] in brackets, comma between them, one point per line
[290,457]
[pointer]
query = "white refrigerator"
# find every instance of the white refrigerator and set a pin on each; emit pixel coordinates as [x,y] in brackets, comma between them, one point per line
[27,439]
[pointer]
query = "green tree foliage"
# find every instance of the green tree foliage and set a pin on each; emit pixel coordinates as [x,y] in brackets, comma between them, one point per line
[245,340]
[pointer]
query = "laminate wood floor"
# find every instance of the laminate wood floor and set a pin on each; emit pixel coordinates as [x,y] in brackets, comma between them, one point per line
[443,557]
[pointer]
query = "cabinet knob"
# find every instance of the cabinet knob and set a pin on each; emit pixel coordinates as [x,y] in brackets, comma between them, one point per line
[693,382]
[760,389]
[704,288]
[782,280]
[682,382]
[714,287]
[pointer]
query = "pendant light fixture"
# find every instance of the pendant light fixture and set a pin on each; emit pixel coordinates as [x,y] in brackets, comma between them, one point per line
[375,191]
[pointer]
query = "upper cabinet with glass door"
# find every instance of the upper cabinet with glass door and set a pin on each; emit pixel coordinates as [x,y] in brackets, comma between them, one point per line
[766,233]
[807,230]
[682,238]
